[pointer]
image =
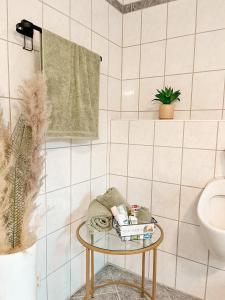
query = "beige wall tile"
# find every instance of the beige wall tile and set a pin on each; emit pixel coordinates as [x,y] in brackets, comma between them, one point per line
[118,159]
[81,159]
[130,95]
[221,136]
[167,164]
[200,134]
[100,17]
[115,25]
[131,61]
[115,60]
[80,34]
[191,277]
[191,244]
[213,58]
[198,167]
[169,133]
[139,191]
[148,89]
[119,131]
[166,269]
[181,17]
[132,29]
[141,132]
[114,94]
[188,204]
[165,200]
[3,19]
[140,161]
[215,284]
[152,59]
[170,228]
[175,49]
[210,15]
[154,23]
[120,183]
[208,90]
[81,11]
[182,82]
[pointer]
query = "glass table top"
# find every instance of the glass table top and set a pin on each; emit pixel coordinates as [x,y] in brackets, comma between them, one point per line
[110,241]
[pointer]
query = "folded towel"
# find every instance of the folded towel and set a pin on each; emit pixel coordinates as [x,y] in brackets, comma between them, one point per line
[72,76]
[99,211]
[99,217]
[112,197]
[144,215]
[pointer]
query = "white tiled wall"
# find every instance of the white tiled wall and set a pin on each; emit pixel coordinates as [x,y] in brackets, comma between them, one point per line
[75,172]
[164,165]
[179,44]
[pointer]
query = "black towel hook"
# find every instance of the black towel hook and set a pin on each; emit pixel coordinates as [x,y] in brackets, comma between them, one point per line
[26,28]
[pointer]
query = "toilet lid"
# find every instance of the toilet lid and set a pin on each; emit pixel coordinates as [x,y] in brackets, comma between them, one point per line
[211,206]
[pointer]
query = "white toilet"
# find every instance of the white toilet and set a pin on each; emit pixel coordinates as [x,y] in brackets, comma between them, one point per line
[211,213]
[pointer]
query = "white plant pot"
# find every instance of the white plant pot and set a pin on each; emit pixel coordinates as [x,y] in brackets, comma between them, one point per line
[18,275]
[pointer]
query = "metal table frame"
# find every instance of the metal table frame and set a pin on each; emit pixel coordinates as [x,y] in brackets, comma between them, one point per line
[90,281]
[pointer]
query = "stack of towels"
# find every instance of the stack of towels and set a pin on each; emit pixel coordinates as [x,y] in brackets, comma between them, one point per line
[99,211]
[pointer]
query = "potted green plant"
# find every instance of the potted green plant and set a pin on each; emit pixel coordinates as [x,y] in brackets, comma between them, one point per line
[167,97]
[21,165]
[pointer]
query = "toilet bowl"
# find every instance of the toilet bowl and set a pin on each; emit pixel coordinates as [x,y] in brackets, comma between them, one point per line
[211,214]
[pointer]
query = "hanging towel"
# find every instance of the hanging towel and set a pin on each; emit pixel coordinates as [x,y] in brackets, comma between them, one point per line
[72,76]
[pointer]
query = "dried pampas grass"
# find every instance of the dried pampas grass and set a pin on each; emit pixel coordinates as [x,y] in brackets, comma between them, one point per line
[21,165]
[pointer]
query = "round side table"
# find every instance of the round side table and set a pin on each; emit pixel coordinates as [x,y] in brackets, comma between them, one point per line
[111,244]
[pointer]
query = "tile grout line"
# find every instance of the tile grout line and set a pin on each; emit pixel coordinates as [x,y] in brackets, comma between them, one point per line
[70,228]
[152,175]
[180,184]
[194,55]
[166,44]
[140,59]
[122,66]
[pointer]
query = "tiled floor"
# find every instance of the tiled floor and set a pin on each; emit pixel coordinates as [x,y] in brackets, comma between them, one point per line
[126,293]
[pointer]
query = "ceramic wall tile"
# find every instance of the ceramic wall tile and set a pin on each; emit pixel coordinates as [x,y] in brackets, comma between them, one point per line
[132,29]
[115,25]
[154,21]
[210,15]
[200,134]
[131,62]
[152,59]
[191,277]
[100,17]
[213,58]
[165,160]
[139,191]
[165,200]
[141,132]
[130,95]
[169,133]
[181,17]
[81,11]
[140,161]
[175,49]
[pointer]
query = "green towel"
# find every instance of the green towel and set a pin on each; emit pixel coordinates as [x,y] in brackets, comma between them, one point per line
[72,76]
[99,211]
[99,215]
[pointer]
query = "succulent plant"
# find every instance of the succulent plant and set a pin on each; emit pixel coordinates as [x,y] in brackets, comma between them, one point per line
[167,95]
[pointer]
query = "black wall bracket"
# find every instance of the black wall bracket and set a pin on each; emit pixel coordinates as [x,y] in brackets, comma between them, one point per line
[26,28]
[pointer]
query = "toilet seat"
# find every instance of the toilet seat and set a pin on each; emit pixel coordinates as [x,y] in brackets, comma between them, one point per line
[211,214]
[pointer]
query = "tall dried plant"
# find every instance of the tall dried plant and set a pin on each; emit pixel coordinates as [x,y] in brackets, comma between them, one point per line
[21,165]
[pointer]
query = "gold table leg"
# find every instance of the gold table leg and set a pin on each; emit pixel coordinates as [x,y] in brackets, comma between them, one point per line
[154,274]
[143,276]
[92,274]
[87,296]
